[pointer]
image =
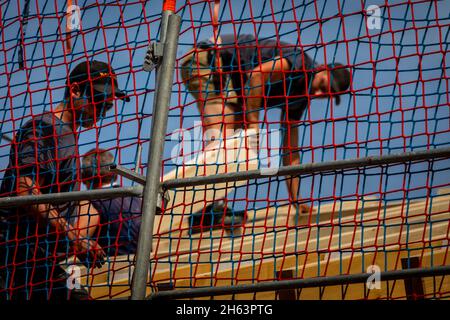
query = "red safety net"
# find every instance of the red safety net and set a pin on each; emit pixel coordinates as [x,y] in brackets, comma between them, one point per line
[257,85]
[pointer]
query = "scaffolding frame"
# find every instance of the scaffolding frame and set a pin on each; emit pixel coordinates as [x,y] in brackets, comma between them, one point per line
[150,186]
[295,170]
[300,283]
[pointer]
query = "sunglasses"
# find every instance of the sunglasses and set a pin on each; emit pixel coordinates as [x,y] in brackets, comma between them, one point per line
[102,101]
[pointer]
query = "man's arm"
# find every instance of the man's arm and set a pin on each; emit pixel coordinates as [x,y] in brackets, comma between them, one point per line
[268,71]
[292,157]
[88,219]
[45,211]
[41,211]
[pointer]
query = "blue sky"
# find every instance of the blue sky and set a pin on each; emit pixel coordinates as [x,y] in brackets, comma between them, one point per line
[389,111]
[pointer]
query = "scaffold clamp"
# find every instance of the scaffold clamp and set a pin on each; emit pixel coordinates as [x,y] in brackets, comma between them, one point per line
[153,56]
[162,200]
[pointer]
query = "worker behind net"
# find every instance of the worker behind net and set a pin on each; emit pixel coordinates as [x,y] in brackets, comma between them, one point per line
[34,239]
[120,218]
[258,76]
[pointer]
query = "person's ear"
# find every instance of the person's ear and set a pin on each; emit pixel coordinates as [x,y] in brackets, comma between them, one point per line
[75,90]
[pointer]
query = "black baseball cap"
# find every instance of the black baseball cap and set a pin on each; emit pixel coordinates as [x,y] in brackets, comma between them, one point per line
[101,78]
[340,79]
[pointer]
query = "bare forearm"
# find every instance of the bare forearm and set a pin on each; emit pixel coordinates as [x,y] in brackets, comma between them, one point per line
[254,98]
[88,219]
[45,211]
[78,236]
[42,210]
[48,212]
[293,183]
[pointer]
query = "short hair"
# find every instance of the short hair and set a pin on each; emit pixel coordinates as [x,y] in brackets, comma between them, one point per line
[96,166]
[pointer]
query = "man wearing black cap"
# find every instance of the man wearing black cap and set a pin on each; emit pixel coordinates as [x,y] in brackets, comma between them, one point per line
[89,102]
[120,217]
[257,75]
[43,160]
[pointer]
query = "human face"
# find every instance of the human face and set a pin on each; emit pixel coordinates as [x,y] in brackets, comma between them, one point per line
[102,103]
[89,106]
[319,86]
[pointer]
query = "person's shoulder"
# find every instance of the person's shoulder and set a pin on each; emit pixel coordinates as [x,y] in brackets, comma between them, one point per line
[309,61]
[98,203]
[37,126]
[132,204]
[118,202]
[299,59]
[41,121]
[133,200]
[232,38]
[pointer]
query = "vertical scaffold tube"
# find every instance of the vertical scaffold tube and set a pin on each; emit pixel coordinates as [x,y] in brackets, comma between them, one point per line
[159,127]
[168,9]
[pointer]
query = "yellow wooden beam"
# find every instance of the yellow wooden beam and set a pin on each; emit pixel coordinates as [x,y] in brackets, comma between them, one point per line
[349,265]
[196,260]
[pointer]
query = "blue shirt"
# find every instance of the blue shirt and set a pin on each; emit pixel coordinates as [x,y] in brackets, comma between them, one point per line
[241,55]
[46,153]
[120,220]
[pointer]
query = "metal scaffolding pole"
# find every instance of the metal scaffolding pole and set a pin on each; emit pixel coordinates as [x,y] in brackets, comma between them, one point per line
[300,283]
[220,178]
[158,132]
[289,170]
[138,159]
[127,173]
[61,197]
[308,168]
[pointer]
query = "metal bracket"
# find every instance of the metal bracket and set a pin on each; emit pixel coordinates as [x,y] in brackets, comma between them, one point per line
[413,286]
[127,173]
[153,56]
[286,294]
[136,177]
[162,195]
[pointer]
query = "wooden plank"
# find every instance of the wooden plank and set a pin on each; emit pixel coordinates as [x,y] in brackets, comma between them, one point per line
[267,242]
[391,289]
[351,213]
[209,259]
[266,268]
[189,278]
[120,285]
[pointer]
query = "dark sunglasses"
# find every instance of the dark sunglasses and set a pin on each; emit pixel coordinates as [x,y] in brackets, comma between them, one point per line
[101,100]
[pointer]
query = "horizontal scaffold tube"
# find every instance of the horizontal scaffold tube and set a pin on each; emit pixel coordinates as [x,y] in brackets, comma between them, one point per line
[225,177]
[127,173]
[71,196]
[308,168]
[300,283]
